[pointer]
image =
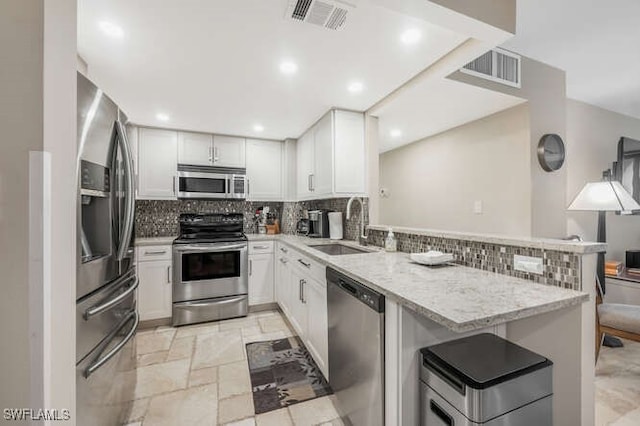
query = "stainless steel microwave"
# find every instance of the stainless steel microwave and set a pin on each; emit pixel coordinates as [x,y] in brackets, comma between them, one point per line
[204,182]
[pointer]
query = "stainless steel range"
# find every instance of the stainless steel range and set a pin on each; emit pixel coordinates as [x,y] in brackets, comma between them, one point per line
[210,268]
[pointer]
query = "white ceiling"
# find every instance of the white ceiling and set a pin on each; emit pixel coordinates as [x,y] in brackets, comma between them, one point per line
[596,42]
[214,65]
[434,106]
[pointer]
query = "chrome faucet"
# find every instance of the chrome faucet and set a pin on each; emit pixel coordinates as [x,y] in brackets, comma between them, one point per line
[362,236]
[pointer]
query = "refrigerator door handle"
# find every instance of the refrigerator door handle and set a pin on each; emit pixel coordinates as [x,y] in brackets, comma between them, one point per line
[127,229]
[100,361]
[95,310]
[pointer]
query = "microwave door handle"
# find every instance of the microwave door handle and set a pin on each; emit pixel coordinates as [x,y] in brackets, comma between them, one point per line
[127,229]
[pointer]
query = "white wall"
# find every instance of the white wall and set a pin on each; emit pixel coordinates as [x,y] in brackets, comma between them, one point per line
[433,183]
[38,115]
[592,141]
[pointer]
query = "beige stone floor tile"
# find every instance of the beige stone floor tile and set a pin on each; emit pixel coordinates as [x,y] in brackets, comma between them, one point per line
[154,342]
[273,324]
[334,422]
[632,418]
[235,408]
[251,331]
[216,349]
[197,329]
[313,412]
[160,378]
[279,417]
[236,323]
[193,406]
[264,337]
[133,424]
[182,347]
[151,358]
[137,409]
[233,379]
[605,415]
[246,422]
[203,376]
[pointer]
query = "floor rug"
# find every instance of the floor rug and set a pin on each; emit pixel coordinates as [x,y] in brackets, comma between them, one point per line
[283,373]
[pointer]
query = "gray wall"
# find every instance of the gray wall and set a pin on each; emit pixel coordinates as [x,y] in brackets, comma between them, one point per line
[433,183]
[544,88]
[592,140]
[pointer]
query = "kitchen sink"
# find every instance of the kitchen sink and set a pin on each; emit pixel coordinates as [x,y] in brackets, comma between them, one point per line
[338,249]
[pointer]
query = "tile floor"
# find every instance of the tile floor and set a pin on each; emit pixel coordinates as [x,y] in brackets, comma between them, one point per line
[198,375]
[618,386]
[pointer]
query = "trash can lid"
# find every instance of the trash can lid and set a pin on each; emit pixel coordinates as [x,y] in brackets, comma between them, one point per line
[483,360]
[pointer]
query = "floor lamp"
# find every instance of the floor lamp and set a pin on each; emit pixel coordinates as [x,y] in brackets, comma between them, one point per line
[602,197]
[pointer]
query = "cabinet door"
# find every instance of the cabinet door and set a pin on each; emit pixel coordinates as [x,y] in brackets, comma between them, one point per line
[349,153]
[304,163]
[157,164]
[297,307]
[283,284]
[322,181]
[264,170]
[317,339]
[228,151]
[154,291]
[260,279]
[195,148]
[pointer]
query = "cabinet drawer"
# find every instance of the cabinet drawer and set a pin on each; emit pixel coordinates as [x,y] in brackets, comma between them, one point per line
[309,267]
[257,247]
[147,253]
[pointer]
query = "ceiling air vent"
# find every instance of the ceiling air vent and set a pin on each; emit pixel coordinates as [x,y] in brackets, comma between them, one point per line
[331,14]
[496,65]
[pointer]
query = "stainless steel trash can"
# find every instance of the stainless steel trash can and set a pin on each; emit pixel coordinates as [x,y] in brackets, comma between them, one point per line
[484,380]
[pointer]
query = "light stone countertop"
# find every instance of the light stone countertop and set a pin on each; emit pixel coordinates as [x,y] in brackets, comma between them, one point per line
[457,297]
[154,241]
[579,247]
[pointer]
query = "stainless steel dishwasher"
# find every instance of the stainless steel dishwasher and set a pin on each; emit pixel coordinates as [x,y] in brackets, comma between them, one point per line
[356,349]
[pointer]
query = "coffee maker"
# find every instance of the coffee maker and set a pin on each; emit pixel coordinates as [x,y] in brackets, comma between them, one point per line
[318,224]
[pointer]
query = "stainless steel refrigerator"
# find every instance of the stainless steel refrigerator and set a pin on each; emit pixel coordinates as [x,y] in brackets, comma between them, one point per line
[106,311]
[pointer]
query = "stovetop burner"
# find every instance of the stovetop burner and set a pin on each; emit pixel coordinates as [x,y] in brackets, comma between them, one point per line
[211,228]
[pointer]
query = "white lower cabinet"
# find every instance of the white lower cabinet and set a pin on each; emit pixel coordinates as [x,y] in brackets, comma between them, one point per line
[261,279]
[154,290]
[303,299]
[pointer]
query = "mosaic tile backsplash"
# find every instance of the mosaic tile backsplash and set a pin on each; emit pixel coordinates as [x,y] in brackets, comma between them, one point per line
[561,269]
[159,218]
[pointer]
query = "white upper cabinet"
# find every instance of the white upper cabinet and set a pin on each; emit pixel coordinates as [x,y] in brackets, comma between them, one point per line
[157,164]
[304,165]
[322,181]
[228,151]
[331,157]
[264,170]
[349,153]
[195,149]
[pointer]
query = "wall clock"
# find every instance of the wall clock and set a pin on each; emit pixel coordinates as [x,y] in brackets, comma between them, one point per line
[551,152]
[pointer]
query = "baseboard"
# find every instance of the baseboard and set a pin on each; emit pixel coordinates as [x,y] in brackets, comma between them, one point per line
[144,325]
[263,307]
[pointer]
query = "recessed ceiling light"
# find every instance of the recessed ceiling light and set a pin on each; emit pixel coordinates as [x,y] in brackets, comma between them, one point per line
[355,87]
[111,29]
[162,117]
[288,67]
[258,128]
[395,133]
[411,36]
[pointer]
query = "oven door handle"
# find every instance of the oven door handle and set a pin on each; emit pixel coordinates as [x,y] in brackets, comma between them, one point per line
[212,248]
[95,310]
[202,304]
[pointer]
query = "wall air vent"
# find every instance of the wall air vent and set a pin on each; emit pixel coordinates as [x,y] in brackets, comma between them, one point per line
[496,65]
[331,14]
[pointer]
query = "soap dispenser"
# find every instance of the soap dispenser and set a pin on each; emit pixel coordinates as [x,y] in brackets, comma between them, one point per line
[390,244]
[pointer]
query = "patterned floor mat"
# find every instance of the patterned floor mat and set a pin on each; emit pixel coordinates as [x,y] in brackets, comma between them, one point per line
[283,373]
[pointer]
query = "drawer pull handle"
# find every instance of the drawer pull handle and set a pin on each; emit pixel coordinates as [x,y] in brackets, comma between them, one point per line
[308,265]
[442,415]
[260,247]
[151,253]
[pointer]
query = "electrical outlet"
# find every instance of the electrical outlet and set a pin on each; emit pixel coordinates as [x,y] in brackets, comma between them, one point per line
[532,265]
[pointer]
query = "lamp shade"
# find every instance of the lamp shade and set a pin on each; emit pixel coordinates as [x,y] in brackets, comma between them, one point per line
[604,196]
